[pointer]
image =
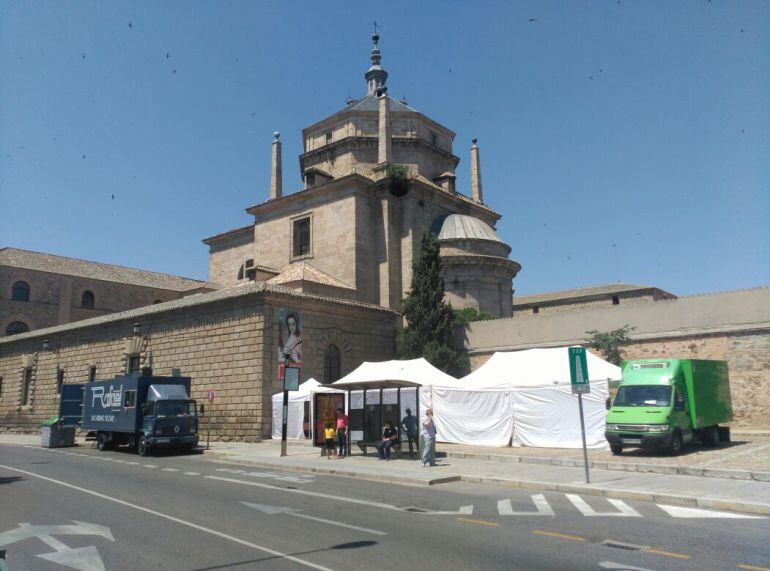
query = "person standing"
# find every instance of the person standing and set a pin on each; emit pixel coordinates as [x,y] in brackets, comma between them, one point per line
[428,439]
[389,439]
[342,432]
[409,424]
[329,438]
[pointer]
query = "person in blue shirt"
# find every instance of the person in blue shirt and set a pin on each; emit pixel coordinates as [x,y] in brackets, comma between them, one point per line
[409,424]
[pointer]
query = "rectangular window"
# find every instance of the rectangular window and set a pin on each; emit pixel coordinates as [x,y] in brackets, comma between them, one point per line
[535,309]
[301,237]
[328,137]
[615,300]
[26,383]
[59,380]
[1,387]
[433,139]
[129,399]
[133,363]
[92,373]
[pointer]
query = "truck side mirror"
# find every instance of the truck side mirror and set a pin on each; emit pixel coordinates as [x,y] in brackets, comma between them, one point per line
[147,408]
[608,403]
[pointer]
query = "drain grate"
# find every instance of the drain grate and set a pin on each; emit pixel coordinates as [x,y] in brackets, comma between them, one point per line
[621,545]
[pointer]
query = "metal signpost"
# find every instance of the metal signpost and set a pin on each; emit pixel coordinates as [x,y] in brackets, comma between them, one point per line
[578,372]
[210,398]
[290,383]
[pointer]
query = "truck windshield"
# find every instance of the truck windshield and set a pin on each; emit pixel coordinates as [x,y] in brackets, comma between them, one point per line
[174,409]
[643,395]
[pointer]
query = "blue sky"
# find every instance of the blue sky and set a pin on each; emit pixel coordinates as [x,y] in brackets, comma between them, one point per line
[621,141]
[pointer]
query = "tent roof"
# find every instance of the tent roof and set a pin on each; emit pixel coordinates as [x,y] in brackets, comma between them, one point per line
[534,368]
[304,390]
[392,374]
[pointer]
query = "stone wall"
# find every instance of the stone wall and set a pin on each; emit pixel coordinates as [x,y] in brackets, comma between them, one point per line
[225,340]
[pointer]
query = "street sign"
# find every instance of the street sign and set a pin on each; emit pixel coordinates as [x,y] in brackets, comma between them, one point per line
[210,396]
[578,370]
[291,379]
[578,373]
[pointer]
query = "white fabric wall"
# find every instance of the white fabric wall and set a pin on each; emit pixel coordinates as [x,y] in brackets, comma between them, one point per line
[294,428]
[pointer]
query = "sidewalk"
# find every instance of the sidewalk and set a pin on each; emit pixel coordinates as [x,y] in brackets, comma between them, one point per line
[741,495]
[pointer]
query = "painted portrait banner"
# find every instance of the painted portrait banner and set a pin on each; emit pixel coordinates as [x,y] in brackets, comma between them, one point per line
[289,340]
[325,405]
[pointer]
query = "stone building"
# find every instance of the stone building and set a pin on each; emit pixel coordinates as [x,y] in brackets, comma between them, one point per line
[337,254]
[40,290]
[376,173]
[590,297]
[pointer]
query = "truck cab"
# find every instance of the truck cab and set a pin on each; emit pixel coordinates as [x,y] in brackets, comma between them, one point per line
[168,418]
[665,403]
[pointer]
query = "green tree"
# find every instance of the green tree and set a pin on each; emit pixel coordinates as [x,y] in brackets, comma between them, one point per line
[610,342]
[429,318]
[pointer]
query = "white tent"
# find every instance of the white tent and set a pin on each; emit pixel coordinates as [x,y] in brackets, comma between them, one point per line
[296,416]
[523,397]
[382,380]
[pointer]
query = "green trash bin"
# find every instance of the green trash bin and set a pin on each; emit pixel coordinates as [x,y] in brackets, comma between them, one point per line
[54,435]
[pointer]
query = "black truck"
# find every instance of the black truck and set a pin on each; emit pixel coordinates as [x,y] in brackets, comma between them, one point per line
[141,410]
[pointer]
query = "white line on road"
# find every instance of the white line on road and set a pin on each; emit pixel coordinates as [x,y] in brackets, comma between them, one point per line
[621,566]
[192,474]
[680,512]
[543,507]
[271,510]
[170,470]
[176,520]
[624,510]
[308,493]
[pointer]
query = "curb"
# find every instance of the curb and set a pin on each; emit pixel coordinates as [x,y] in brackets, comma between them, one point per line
[347,473]
[667,469]
[754,508]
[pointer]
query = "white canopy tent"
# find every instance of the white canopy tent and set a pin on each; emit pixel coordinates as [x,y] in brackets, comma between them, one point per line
[525,398]
[381,383]
[296,418]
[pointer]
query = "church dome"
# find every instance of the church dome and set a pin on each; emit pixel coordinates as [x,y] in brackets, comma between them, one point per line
[463,227]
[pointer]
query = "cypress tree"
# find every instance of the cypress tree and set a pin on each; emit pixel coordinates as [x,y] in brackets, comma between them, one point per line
[429,318]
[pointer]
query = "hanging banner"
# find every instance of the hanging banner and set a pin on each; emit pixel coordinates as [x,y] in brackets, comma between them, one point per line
[289,340]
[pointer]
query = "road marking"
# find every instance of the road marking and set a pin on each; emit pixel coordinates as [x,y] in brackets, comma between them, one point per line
[477,521]
[680,512]
[753,567]
[559,535]
[464,510]
[175,520]
[543,507]
[666,553]
[192,474]
[170,470]
[307,493]
[621,566]
[132,463]
[624,510]
[270,510]
[149,466]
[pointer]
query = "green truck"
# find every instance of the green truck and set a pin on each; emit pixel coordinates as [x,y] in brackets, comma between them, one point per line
[665,403]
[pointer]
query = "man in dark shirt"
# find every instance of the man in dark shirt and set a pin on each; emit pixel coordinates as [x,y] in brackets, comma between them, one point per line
[409,423]
[389,439]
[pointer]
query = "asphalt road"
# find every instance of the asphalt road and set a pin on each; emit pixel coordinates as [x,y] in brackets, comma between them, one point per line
[85,509]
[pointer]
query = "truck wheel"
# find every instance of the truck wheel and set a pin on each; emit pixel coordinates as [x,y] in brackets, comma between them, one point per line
[710,436]
[616,449]
[676,444]
[101,441]
[142,448]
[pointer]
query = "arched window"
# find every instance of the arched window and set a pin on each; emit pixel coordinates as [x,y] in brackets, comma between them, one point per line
[20,291]
[157,301]
[240,273]
[16,327]
[331,364]
[87,301]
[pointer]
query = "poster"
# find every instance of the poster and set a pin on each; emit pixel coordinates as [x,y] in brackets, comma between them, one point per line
[325,407]
[289,340]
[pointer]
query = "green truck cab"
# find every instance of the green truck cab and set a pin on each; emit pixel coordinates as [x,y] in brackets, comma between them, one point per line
[665,403]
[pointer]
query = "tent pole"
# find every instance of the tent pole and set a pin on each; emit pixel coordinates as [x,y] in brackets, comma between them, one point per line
[419,430]
[363,426]
[398,416]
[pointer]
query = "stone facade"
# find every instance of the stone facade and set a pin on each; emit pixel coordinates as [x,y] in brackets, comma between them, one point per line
[56,296]
[224,340]
[364,229]
[730,326]
[592,297]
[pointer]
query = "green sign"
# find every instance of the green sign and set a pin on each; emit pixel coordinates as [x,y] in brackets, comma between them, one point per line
[578,367]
